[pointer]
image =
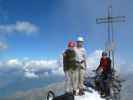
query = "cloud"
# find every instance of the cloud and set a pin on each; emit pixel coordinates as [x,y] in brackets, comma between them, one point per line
[30,75]
[35,65]
[31,68]
[3,46]
[44,68]
[23,27]
[93,61]
[13,63]
[58,71]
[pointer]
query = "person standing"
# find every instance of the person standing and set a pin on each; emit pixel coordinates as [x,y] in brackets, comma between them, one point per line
[81,63]
[70,70]
[105,70]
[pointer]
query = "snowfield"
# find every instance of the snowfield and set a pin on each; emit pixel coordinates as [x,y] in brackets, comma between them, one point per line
[89,96]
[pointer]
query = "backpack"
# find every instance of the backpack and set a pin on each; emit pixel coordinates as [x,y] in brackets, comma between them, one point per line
[69,61]
[66,96]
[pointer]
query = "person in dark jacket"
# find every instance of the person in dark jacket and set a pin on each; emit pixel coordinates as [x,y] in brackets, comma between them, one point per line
[70,68]
[105,70]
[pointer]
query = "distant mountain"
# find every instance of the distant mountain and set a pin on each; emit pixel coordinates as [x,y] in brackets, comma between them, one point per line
[14,86]
[36,94]
[25,84]
[58,88]
[127,88]
[40,93]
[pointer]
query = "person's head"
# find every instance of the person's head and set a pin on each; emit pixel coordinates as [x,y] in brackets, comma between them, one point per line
[71,44]
[80,41]
[104,54]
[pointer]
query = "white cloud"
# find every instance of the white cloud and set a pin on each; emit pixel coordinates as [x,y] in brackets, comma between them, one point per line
[93,59]
[45,68]
[36,65]
[13,62]
[23,27]
[31,68]
[30,75]
[58,71]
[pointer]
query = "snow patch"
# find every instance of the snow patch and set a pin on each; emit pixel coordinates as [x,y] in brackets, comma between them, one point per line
[89,96]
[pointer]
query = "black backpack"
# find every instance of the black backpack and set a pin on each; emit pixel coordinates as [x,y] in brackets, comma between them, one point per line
[69,61]
[66,96]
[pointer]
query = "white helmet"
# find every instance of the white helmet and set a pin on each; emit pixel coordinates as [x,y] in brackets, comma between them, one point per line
[81,39]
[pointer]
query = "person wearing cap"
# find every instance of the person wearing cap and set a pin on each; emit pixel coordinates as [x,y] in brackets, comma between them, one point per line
[105,70]
[81,63]
[69,67]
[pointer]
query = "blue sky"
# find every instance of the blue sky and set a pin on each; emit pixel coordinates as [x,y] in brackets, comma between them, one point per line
[58,21]
[33,34]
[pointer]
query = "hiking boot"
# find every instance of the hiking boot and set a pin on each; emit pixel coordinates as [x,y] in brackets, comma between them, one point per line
[74,92]
[108,98]
[103,95]
[81,92]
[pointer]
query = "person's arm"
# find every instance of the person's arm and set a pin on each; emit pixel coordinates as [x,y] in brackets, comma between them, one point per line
[109,64]
[85,63]
[85,59]
[64,62]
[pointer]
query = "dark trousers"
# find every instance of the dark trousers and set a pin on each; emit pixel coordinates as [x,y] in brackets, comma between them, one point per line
[105,84]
